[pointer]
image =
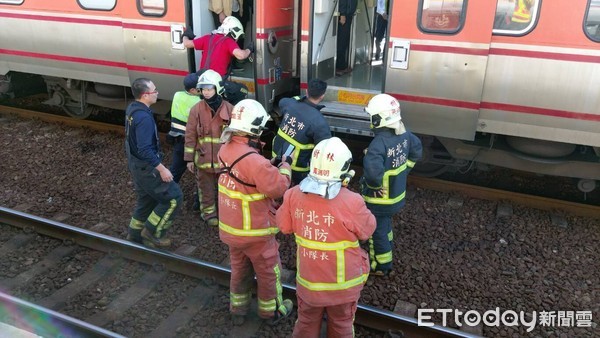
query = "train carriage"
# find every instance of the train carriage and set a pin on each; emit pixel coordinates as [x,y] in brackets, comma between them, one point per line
[509,82]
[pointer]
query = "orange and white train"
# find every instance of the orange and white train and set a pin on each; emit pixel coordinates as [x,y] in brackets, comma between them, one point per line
[509,83]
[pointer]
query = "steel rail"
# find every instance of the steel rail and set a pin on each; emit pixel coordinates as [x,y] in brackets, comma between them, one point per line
[367,316]
[45,322]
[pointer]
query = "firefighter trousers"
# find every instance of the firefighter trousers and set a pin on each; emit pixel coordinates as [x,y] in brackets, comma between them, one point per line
[340,320]
[380,245]
[157,202]
[207,193]
[261,258]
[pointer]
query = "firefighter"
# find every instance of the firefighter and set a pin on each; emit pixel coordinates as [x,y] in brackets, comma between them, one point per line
[328,220]
[219,47]
[205,124]
[158,196]
[388,159]
[301,128]
[248,187]
[521,16]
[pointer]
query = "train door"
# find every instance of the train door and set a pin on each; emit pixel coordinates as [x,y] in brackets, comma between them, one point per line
[275,57]
[203,23]
[353,77]
[436,67]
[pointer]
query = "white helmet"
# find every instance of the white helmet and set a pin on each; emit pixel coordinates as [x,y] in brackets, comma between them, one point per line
[211,79]
[330,160]
[384,110]
[248,116]
[231,25]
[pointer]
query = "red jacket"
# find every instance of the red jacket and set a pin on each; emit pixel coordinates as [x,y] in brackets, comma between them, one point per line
[247,213]
[332,268]
[202,134]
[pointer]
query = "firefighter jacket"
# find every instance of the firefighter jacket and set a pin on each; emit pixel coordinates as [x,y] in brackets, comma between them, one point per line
[386,164]
[202,135]
[248,185]
[522,12]
[302,126]
[331,266]
[180,111]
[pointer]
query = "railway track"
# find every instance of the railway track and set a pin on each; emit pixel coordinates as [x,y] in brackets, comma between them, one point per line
[109,257]
[457,192]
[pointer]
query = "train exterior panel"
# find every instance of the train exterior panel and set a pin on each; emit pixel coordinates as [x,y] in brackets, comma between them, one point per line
[479,81]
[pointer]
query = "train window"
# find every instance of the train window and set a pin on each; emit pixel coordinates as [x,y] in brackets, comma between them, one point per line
[442,16]
[11,2]
[592,21]
[515,17]
[102,5]
[152,7]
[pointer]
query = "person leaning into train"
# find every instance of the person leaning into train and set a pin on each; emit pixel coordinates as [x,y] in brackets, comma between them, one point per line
[206,121]
[248,186]
[158,196]
[219,47]
[388,159]
[303,125]
[328,221]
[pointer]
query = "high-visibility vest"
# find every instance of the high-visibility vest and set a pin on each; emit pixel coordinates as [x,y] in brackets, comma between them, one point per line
[180,111]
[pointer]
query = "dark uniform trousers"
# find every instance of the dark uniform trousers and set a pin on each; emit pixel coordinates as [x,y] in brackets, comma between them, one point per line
[157,202]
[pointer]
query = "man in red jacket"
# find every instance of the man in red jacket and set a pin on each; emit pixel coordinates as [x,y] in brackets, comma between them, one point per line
[328,220]
[248,187]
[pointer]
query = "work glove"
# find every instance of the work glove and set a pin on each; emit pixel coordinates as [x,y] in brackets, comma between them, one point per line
[276,161]
[189,34]
[251,47]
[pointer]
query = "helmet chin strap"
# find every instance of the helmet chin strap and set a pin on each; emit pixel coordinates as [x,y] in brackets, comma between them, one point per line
[254,142]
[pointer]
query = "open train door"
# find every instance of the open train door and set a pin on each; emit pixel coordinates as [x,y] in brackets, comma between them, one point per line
[275,57]
[347,93]
[436,63]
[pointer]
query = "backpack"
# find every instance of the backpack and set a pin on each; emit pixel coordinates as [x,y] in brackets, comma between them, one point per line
[234,91]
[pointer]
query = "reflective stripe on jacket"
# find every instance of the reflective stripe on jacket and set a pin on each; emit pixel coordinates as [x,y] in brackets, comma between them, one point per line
[202,135]
[303,126]
[521,13]
[331,266]
[247,211]
[386,164]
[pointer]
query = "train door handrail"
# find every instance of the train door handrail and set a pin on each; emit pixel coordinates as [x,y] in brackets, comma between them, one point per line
[325,33]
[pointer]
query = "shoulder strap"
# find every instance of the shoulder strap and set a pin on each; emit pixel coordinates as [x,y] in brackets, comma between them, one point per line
[227,170]
[211,48]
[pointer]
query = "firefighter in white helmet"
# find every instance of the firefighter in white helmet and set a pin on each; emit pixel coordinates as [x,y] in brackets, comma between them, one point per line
[206,121]
[248,186]
[388,159]
[328,221]
[220,47]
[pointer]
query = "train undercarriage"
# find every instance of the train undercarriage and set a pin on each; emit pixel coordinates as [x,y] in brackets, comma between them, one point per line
[441,154]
